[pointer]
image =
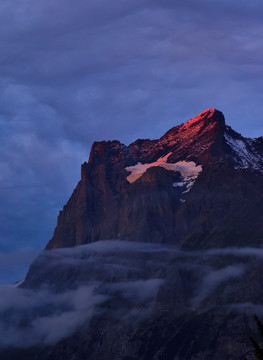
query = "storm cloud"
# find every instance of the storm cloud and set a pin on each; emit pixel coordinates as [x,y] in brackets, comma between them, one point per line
[71,74]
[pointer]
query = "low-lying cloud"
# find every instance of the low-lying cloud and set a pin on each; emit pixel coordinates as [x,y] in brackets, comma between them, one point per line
[46,315]
[213,279]
[123,282]
[29,317]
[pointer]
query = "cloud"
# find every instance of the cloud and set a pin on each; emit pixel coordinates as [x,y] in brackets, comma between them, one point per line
[43,317]
[213,279]
[123,283]
[31,317]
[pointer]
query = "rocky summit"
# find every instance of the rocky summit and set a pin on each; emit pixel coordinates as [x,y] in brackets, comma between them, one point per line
[198,186]
[157,255]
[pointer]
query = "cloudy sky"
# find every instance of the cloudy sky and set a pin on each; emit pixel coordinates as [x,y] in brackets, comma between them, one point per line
[75,72]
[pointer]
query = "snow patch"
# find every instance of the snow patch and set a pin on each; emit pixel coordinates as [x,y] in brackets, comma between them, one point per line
[139,169]
[188,170]
[189,186]
[181,183]
[244,153]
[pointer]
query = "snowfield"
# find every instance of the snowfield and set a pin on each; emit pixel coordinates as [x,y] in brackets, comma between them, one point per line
[188,170]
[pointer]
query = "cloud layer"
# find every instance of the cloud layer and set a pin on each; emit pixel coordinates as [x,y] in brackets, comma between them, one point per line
[124,283]
[29,317]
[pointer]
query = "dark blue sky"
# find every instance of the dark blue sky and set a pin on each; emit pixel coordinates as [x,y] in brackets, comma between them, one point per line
[75,72]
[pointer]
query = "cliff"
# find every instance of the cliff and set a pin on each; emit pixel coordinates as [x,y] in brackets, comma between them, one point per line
[151,190]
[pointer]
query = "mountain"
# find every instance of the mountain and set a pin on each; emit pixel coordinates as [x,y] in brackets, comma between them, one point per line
[156,256]
[189,205]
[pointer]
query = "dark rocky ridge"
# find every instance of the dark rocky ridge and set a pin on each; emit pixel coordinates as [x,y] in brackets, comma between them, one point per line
[105,205]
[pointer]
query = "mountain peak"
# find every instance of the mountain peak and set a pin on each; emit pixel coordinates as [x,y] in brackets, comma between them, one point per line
[208,116]
[200,138]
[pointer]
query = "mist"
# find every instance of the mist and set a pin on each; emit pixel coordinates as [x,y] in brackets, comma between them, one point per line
[123,282]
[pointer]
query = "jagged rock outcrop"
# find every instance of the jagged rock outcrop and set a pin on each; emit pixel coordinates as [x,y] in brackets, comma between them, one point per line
[105,205]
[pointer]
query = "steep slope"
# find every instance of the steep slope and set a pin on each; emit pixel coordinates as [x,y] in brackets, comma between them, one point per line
[172,190]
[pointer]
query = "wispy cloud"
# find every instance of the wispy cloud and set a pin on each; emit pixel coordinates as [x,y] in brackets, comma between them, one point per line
[31,317]
[123,282]
[43,317]
[213,279]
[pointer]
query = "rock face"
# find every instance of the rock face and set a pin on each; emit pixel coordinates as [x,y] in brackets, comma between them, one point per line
[156,256]
[105,205]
